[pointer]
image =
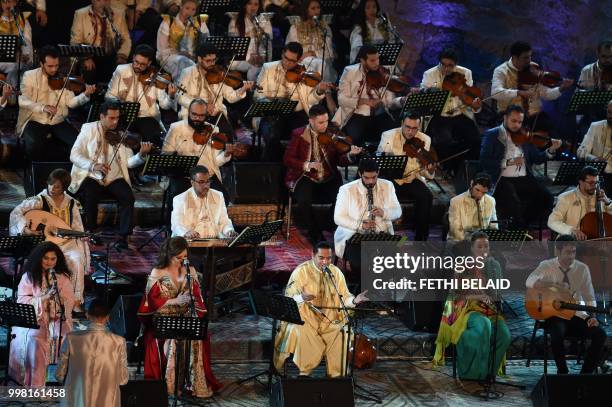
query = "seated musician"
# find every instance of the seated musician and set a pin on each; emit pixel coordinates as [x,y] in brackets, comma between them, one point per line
[596,146]
[194,81]
[132,9]
[178,37]
[14,23]
[455,128]
[564,272]
[363,108]
[41,114]
[273,84]
[370,27]
[518,194]
[413,184]
[312,169]
[311,285]
[591,76]
[366,205]
[508,90]
[469,319]
[129,85]
[572,205]
[55,199]
[100,168]
[180,140]
[100,25]
[200,212]
[472,210]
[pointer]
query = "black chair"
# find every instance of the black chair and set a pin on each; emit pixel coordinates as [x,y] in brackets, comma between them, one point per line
[542,325]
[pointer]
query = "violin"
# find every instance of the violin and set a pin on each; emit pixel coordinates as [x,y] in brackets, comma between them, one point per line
[456,84]
[299,74]
[538,138]
[161,80]
[233,79]
[74,84]
[201,137]
[415,148]
[365,353]
[219,141]
[333,136]
[382,77]
[534,75]
[130,140]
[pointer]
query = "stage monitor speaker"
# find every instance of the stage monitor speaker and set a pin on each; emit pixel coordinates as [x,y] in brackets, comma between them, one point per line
[311,392]
[39,171]
[144,393]
[256,182]
[123,319]
[421,316]
[571,390]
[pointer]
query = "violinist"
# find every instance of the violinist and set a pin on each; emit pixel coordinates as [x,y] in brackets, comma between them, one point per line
[361,112]
[130,83]
[597,146]
[43,110]
[195,80]
[274,84]
[100,168]
[181,140]
[519,196]
[178,37]
[312,169]
[572,205]
[418,169]
[101,25]
[454,129]
[598,75]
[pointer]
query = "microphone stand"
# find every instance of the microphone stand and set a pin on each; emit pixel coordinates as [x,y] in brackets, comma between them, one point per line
[116,33]
[324,32]
[58,299]
[22,40]
[192,313]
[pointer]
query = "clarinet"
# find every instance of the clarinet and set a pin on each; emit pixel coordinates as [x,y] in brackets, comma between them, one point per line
[370,190]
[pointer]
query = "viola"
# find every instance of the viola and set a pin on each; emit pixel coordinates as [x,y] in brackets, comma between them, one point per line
[74,84]
[233,79]
[364,352]
[161,80]
[456,84]
[415,148]
[299,74]
[376,79]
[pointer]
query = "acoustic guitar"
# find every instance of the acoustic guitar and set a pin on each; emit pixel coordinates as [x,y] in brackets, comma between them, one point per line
[543,303]
[52,226]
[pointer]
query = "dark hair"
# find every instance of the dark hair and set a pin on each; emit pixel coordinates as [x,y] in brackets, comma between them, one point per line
[482,178]
[240,25]
[514,108]
[304,8]
[367,165]
[564,240]
[317,110]
[360,18]
[294,47]
[198,169]
[206,48]
[171,247]
[109,105]
[47,51]
[410,114]
[607,43]
[448,53]
[519,47]
[61,175]
[365,50]
[586,171]
[197,101]
[479,234]
[33,265]
[146,51]
[98,308]
[321,245]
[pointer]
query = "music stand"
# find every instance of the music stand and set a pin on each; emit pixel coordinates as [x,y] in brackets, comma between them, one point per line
[279,308]
[18,247]
[128,112]
[271,108]
[179,328]
[8,48]
[81,51]
[357,238]
[218,6]
[230,46]
[426,103]
[391,166]
[582,100]
[570,170]
[257,234]
[15,314]
[389,52]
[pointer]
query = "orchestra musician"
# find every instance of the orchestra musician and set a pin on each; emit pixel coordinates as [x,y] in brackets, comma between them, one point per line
[100,169]
[178,38]
[472,210]
[371,27]
[311,285]
[13,22]
[592,76]
[312,169]
[565,272]
[200,212]
[413,185]
[100,25]
[572,205]
[127,85]
[518,194]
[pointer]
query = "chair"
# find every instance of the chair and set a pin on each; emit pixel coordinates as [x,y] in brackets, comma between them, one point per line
[542,325]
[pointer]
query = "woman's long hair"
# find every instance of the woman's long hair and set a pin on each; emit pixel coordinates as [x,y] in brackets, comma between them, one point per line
[305,6]
[170,248]
[33,265]
[360,19]
[240,25]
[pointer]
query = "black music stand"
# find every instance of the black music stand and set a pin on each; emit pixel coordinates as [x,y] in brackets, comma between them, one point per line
[257,234]
[279,308]
[18,247]
[426,103]
[81,51]
[218,6]
[230,46]
[389,52]
[357,238]
[570,170]
[128,112]
[179,328]
[15,314]
[8,48]
[271,108]
[581,101]
[391,166]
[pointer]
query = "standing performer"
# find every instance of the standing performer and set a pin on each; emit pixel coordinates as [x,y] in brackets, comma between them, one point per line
[371,27]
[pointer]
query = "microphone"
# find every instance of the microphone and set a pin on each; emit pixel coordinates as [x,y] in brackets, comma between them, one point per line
[327,271]
[190,21]
[317,21]
[256,21]
[383,17]
[186,265]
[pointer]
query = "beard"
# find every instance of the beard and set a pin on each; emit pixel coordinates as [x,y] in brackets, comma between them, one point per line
[197,125]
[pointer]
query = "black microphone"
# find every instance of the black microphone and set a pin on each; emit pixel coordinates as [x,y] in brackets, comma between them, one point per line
[383,17]
[328,272]
[186,265]
[53,276]
[190,21]
[317,21]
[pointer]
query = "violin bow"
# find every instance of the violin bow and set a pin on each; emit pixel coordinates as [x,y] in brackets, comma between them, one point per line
[440,161]
[73,62]
[222,82]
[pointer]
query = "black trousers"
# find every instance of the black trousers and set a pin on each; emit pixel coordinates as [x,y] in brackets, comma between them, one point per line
[149,129]
[44,142]
[305,193]
[368,128]
[421,194]
[559,328]
[451,135]
[523,200]
[274,129]
[91,192]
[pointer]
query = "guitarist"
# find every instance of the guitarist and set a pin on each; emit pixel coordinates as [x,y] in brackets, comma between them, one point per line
[565,272]
[55,200]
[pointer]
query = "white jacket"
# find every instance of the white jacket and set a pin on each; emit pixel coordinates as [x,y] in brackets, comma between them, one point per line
[571,207]
[352,209]
[83,29]
[597,142]
[463,215]
[86,152]
[185,214]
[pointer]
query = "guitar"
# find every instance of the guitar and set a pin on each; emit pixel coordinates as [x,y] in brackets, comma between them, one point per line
[52,226]
[543,303]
